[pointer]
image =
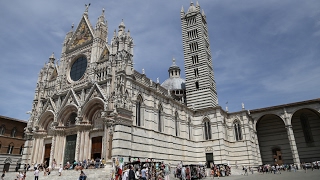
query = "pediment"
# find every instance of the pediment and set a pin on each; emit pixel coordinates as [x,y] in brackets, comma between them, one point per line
[95,91]
[82,36]
[105,54]
[49,106]
[71,98]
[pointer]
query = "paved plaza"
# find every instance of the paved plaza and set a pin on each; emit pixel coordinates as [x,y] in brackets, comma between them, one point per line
[310,175]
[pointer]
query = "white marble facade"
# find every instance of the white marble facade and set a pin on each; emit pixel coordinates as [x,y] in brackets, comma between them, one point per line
[112,110]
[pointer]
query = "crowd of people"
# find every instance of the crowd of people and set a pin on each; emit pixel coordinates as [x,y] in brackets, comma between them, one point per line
[137,170]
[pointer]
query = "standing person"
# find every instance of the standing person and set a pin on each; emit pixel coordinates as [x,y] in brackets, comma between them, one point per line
[131,174]
[3,174]
[138,176]
[144,174]
[36,174]
[60,170]
[54,164]
[212,172]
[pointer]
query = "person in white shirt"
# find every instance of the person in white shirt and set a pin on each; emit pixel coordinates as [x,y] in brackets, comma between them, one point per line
[36,174]
[60,170]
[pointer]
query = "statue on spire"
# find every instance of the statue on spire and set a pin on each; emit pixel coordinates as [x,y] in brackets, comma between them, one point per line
[87,7]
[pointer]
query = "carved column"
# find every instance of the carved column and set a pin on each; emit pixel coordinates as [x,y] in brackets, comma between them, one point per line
[293,145]
[41,150]
[35,150]
[104,141]
[76,157]
[52,150]
[86,145]
[82,146]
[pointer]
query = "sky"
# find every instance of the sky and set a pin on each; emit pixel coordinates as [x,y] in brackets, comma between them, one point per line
[265,53]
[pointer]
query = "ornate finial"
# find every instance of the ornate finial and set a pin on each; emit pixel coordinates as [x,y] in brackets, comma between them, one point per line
[242,105]
[173,61]
[158,80]
[143,71]
[72,26]
[102,10]
[52,56]
[87,7]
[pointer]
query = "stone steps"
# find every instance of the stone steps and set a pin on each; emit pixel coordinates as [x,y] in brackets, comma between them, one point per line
[92,174]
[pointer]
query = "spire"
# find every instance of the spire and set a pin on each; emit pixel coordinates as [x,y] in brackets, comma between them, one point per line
[101,18]
[203,14]
[182,10]
[51,58]
[197,4]
[121,28]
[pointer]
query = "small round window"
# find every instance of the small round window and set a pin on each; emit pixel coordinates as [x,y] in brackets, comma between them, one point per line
[78,68]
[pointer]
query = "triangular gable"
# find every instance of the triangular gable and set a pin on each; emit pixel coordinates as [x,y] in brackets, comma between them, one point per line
[95,91]
[70,98]
[82,36]
[105,54]
[54,75]
[49,106]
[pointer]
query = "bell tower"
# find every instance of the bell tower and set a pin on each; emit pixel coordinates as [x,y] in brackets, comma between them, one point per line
[200,85]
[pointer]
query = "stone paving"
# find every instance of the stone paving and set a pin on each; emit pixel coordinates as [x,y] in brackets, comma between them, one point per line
[99,174]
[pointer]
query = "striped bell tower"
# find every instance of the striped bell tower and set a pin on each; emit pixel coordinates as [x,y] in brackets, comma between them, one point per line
[200,85]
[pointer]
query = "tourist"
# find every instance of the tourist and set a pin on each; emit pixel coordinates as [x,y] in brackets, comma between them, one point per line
[60,170]
[212,172]
[83,176]
[3,174]
[125,174]
[36,174]
[131,174]
[166,172]
[138,176]
[144,173]
[54,164]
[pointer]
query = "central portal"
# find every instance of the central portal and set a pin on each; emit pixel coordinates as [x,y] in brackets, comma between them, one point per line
[70,150]
[96,147]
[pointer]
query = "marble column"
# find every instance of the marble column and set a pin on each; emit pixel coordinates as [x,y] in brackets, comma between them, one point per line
[89,146]
[52,150]
[86,145]
[77,146]
[36,150]
[41,151]
[104,142]
[82,146]
[293,145]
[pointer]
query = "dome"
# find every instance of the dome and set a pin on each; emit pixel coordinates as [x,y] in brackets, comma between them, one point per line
[174,83]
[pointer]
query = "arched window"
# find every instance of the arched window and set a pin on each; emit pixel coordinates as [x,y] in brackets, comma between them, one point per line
[237,130]
[207,129]
[13,132]
[160,119]
[10,148]
[138,110]
[2,130]
[176,123]
[306,128]
[72,119]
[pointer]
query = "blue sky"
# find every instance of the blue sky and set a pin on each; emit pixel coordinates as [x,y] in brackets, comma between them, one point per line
[265,53]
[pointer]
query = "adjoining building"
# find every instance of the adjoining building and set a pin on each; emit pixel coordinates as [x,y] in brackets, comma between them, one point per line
[12,139]
[94,104]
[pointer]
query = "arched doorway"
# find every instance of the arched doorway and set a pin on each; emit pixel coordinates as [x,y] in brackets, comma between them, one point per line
[306,129]
[273,140]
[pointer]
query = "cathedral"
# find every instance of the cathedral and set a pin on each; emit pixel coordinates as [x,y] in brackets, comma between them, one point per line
[93,103]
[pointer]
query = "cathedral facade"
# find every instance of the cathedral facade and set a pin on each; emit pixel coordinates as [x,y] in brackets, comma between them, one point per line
[94,104]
